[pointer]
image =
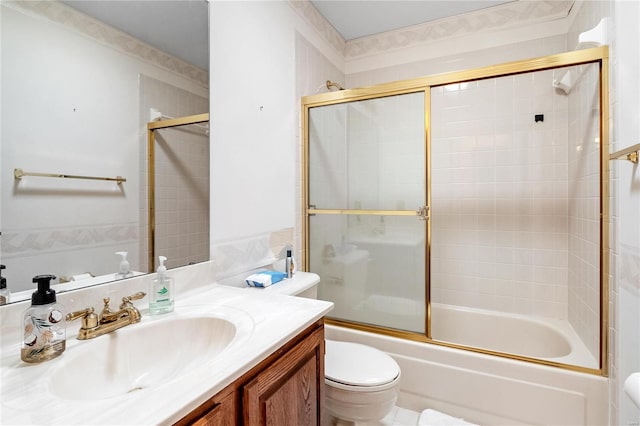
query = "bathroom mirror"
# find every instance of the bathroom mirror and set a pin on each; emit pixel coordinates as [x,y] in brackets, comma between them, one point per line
[76,97]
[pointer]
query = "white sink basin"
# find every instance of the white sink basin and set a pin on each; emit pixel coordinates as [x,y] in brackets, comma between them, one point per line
[140,356]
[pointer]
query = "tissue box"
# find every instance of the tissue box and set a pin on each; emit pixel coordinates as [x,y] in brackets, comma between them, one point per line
[265,278]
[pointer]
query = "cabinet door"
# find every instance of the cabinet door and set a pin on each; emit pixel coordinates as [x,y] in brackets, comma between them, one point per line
[220,410]
[289,392]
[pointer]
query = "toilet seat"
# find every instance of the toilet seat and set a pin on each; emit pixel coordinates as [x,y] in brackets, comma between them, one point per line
[356,367]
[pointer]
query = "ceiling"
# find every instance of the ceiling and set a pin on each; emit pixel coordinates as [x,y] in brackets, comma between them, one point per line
[180,27]
[361,18]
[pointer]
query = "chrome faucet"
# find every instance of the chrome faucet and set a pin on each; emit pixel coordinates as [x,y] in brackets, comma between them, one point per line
[96,325]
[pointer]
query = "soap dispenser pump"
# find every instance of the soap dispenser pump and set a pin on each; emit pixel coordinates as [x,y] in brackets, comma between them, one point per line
[5,294]
[161,294]
[44,324]
[123,269]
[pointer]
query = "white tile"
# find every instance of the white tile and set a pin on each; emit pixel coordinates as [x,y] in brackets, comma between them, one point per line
[405,417]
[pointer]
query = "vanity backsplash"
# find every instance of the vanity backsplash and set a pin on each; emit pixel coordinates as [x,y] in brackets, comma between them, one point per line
[187,279]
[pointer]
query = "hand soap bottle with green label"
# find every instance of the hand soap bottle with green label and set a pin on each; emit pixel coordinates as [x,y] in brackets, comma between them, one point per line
[161,294]
[44,325]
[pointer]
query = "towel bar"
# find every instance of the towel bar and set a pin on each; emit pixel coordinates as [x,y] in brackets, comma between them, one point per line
[631,153]
[19,173]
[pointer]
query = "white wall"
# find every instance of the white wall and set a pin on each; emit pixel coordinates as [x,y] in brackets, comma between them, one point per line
[252,73]
[625,330]
[70,105]
[255,150]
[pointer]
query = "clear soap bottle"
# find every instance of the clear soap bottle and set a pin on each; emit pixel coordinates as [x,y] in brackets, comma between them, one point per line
[123,268]
[161,294]
[44,324]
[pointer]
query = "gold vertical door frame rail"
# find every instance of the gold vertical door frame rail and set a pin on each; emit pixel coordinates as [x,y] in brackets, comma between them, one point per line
[598,55]
[427,251]
[152,126]
[604,215]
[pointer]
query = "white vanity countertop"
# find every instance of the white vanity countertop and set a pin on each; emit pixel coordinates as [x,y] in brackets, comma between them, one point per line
[275,318]
[300,282]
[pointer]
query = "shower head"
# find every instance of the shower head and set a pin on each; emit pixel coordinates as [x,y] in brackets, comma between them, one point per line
[331,84]
[596,36]
[565,83]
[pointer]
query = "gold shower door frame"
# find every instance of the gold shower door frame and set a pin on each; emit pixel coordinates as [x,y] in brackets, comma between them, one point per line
[152,126]
[598,55]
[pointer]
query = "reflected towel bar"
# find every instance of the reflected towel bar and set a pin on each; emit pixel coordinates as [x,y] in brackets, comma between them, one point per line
[630,154]
[19,173]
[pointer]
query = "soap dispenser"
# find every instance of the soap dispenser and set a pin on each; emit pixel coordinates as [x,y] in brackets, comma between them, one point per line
[44,324]
[161,294]
[123,269]
[5,294]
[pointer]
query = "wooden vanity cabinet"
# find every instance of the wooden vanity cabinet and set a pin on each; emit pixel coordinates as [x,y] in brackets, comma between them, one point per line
[221,410]
[284,389]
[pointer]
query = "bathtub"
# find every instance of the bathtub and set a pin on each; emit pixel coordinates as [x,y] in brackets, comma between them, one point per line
[487,389]
[534,337]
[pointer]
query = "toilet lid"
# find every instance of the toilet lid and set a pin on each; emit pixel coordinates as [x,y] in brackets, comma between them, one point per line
[358,365]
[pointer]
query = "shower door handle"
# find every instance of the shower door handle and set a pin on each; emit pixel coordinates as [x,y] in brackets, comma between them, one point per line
[423,212]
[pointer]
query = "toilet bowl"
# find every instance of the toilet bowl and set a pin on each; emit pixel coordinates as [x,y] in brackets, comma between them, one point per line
[361,382]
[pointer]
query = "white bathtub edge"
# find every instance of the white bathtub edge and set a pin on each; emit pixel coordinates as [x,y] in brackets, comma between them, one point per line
[486,389]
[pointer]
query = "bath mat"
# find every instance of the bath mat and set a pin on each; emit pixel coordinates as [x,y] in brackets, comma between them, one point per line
[431,417]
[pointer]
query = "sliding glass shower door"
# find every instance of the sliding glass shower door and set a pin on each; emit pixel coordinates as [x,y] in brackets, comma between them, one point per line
[367,192]
[508,165]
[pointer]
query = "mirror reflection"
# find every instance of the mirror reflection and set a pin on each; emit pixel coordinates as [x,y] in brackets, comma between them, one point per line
[77,95]
[179,163]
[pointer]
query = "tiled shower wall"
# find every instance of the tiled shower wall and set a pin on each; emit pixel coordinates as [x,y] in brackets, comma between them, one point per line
[182,176]
[584,207]
[499,190]
[386,153]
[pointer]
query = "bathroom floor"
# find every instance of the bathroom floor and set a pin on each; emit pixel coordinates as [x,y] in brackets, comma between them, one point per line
[400,417]
[397,417]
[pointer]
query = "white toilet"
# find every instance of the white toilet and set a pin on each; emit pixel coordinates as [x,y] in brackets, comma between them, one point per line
[361,382]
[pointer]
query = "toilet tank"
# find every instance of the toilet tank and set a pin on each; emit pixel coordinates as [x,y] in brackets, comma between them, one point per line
[309,293]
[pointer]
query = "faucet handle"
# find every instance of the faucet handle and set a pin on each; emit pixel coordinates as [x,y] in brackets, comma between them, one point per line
[138,295]
[89,318]
[77,314]
[126,301]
